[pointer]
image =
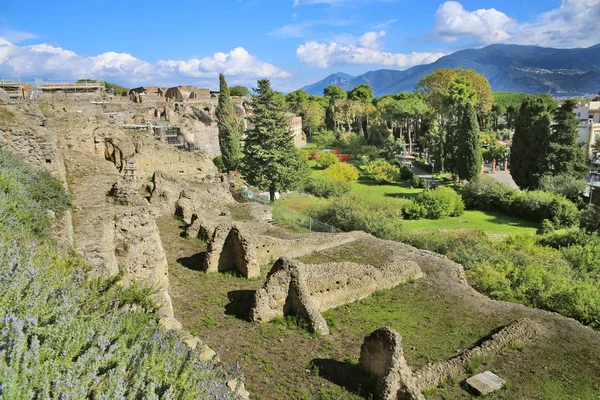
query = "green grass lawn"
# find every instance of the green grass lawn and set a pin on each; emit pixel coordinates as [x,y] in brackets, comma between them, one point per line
[491,223]
[494,224]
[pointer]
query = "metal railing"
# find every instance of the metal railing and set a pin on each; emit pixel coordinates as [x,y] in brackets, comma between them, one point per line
[295,220]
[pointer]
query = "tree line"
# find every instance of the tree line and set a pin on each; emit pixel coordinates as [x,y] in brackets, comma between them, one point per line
[452,118]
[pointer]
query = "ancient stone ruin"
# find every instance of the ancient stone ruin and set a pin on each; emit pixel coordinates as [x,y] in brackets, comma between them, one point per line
[382,355]
[307,290]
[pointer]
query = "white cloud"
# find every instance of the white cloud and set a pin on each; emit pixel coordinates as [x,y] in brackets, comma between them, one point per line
[452,22]
[570,25]
[365,51]
[574,23]
[16,36]
[304,28]
[44,60]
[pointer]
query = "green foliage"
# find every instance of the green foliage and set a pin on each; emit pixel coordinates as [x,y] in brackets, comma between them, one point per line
[435,204]
[361,93]
[469,148]
[351,213]
[327,159]
[324,139]
[218,161]
[271,161]
[529,150]
[565,185]
[326,186]
[342,171]
[382,171]
[27,196]
[239,91]
[565,155]
[118,89]
[229,129]
[417,182]
[297,100]
[334,93]
[589,220]
[485,193]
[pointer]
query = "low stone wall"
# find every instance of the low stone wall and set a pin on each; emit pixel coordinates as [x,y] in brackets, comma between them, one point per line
[232,246]
[382,355]
[309,289]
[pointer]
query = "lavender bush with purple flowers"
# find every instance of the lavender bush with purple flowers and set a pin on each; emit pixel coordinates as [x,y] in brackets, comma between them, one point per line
[63,336]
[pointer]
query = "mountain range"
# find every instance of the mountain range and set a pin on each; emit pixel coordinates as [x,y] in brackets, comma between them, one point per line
[510,68]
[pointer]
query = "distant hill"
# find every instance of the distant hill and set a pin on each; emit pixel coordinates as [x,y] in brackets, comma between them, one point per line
[511,68]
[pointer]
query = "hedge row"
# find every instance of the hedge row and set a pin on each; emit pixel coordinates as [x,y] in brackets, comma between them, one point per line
[486,194]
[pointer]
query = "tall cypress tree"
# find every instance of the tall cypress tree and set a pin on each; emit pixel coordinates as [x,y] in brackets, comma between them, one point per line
[566,156]
[469,156]
[271,161]
[229,128]
[530,146]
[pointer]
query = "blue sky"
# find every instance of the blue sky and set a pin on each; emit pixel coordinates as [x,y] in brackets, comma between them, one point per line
[291,42]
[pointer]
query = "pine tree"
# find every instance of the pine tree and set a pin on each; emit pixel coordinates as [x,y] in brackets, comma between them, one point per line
[566,156]
[469,156]
[530,146]
[271,161]
[229,128]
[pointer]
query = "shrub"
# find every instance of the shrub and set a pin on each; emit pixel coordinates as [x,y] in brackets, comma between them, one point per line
[382,171]
[350,213]
[564,185]
[589,218]
[313,154]
[414,210]
[342,172]
[405,173]
[435,204]
[416,182]
[486,194]
[324,139]
[326,186]
[327,159]
[26,196]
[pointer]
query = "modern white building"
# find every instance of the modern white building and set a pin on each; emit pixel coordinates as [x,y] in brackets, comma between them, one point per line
[589,125]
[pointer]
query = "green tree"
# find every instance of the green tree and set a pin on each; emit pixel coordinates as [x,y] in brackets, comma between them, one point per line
[271,161]
[361,93]
[529,151]
[565,155]
[239,91]
[314,117]
[333,113]
[405,116]
[229,129]
[296,101]
[469,147]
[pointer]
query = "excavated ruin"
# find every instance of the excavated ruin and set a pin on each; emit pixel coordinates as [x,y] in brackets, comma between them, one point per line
[307,290]
[382,355]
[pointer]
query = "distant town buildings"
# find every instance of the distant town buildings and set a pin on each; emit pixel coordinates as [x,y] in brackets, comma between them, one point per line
[588,114]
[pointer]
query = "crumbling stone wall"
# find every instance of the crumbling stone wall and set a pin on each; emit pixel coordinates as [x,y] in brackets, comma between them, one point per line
[257,249]
[382,355]
[309,289]
[139,251]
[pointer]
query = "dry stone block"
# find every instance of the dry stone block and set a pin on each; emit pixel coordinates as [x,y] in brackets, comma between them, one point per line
[486,382]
